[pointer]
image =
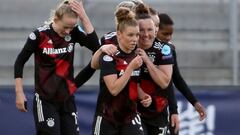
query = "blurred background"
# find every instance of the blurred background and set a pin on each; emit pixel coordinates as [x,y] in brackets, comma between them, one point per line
[206,37]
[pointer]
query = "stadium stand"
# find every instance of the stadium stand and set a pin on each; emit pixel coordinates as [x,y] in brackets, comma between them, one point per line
[201,35]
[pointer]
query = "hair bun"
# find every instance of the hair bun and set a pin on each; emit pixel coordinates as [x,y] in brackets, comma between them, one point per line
[123,14]
[141,9]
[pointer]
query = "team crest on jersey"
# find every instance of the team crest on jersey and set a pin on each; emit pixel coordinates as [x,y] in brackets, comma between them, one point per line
[166,50]
[32,36]
[67,38]
[107,58]
[70,47]
[152,57]
[50,122]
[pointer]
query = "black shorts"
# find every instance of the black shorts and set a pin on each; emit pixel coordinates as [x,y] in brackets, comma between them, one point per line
[105,127]
[154,130]
[55,118]
[157,125]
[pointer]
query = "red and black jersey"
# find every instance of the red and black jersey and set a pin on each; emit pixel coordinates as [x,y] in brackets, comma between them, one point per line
[53,57]
[121,108]
[159,54]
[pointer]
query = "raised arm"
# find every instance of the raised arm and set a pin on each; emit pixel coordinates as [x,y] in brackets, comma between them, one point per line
[87,37]
[114,84]
[77,6]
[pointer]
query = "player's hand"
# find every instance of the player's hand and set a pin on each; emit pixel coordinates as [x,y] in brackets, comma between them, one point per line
[109,49]
[77,6]
[20,100]
[175,122]
[136,62]
[146,101]
[143,54]
[201,111]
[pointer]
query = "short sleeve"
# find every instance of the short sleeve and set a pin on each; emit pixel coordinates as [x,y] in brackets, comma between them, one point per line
[165,55]
[107,65]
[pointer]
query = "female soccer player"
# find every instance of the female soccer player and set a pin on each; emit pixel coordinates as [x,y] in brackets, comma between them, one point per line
[164,34]
[155,75]
[53,47]
[116,112]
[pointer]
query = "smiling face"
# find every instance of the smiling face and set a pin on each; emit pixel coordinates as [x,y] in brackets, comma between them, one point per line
[128,38]
[64,25]
[147,33]
[165,33]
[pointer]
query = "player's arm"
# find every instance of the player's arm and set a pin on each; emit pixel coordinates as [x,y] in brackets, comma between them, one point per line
[182,86]
[22,58]
[180,83]
[77,6]
[145,99]
[84,75]
[20,96]
[174,118]
[108,49]
[88,37]
[116,84]
[161,74]
[172,100]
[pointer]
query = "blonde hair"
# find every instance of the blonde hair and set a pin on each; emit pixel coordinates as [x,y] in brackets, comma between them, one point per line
[124,17]
[127,4]
[62,9]
[137,2]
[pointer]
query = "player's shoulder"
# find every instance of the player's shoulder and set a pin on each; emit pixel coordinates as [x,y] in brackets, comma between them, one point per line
[109,38]
[110,35]
[36,32]
[162,47]
[43,28]
[171,45]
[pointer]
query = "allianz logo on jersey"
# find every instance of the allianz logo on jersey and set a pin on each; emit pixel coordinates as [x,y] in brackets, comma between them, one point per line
[67,49]
[134,73]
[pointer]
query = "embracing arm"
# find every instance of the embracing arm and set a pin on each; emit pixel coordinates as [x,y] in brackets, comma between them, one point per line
[84,75]
[109,49]
[161,74]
